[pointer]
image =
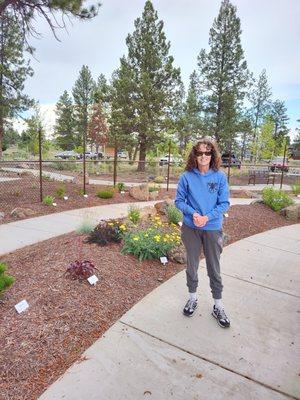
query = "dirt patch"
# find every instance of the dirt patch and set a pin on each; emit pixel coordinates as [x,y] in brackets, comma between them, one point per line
[65,317]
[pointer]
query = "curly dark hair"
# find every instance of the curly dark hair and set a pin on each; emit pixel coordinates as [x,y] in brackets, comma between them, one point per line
[215,161]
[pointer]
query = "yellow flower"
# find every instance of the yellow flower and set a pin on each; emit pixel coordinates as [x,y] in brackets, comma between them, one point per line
[146,235]
[157,218]
[110,224]
[135,238]
[165,240]
[123,227]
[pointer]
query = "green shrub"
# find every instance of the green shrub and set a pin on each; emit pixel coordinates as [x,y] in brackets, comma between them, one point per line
[5,280]
[151,243]
[159,179]
[48,200]
[154,188]
[276,199]
[61,191]
[105,194]
[47,178]
[121,186]
[107,232]
[134,214]
[85,227]
[174,215]
[296,188]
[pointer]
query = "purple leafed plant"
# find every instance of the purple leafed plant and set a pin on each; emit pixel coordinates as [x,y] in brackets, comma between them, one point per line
[80,270]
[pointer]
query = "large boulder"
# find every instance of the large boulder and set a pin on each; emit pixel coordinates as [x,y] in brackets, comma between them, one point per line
[291,213]
[147,212]
[161,206]
[20,212]
[140,192]
[177,254]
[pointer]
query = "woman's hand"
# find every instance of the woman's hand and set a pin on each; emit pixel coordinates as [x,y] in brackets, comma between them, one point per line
[200,220]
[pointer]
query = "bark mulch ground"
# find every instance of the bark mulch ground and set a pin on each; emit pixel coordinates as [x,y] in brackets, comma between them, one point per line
[26,195]
[65,317]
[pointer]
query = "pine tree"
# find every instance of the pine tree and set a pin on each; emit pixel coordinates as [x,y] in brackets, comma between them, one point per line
[192,112]
[260,101]
[14,70]
[102,92]
[97,128]
[155,79]
[223,74]
[25,12]
[83,93]
[64,124]
[280,118]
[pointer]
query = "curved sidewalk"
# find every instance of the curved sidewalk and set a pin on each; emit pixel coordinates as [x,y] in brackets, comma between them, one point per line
[155,352]
[18,234]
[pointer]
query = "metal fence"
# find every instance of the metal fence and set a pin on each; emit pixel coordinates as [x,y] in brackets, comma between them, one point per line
[24,182]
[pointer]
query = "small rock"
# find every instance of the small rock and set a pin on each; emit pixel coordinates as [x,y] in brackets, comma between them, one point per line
[177,254]
[22,212]
[257,201]
[2,215]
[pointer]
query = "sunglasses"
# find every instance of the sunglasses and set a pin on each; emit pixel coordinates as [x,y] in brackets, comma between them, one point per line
[201,153]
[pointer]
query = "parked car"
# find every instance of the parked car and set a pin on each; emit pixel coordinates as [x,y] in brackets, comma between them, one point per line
[276,164]
[94,156]
[65,155]
[235,162]
[121,154]
[173,159]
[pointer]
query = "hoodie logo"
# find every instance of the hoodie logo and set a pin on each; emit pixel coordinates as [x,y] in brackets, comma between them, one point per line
[212,187]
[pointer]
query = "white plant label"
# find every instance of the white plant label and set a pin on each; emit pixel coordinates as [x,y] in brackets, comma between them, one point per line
[122,192]
[180,223]
[226,215]
[54,204]
[66,197]
[163,260]
[85,195]
[93,280]
[22,306]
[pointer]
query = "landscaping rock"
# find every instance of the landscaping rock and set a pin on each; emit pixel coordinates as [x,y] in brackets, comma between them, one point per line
[153,195]
[257,201]
[292,213]
[148,211]
[140,192]
[2,215]
[23,165]
[178,254]
[79,178]
[22,212]
[161,207]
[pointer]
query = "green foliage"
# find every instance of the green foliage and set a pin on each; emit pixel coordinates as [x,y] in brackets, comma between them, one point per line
[174,215]
[154,188]
[134,214]
[48,200]
[85,227]
[64,129]
[276,199]
[159,179]
[109,231]
[151,243]
[296,188]
[5,280]
[121,186]
[61,191]
[105,194]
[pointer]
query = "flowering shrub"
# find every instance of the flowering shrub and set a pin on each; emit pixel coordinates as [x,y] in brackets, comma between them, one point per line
[134,214]
[153,242]
[107,232]
[276,199]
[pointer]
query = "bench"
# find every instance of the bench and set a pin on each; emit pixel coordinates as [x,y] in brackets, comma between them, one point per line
[261,175]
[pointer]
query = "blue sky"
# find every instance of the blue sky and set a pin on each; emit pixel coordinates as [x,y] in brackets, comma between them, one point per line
[270,39]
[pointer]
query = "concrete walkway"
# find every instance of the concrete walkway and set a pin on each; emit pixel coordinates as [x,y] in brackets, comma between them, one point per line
[155,352]
[18,234]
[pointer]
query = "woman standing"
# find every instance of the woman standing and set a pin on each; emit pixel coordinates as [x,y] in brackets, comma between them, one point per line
[203,197]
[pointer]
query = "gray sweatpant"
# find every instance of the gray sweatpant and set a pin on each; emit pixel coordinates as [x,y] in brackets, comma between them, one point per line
[211,242]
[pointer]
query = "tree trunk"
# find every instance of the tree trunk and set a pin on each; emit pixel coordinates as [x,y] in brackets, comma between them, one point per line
[142,157]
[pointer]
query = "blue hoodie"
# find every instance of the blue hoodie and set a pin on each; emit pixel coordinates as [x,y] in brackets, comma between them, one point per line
[207,194]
